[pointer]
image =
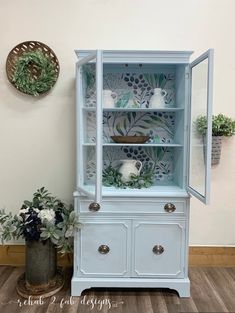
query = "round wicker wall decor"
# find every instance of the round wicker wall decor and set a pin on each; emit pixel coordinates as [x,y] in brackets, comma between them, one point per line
[32,67]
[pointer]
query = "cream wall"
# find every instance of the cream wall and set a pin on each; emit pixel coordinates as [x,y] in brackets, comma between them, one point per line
[37,136]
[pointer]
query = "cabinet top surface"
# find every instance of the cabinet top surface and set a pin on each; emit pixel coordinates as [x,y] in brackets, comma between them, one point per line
[145,56]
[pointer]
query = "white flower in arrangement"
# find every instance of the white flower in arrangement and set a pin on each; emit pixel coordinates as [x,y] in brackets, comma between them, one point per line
[24,211]
[47,215]
[34,223]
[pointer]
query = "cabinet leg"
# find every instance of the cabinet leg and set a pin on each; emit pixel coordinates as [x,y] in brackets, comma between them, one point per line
[184,291]
[78,288]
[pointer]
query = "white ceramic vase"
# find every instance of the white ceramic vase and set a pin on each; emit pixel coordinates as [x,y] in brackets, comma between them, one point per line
[129,168]
[157,100]
[109,98]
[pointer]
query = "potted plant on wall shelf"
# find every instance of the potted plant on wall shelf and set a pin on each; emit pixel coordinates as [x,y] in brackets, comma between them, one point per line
[47,225]
[222,126]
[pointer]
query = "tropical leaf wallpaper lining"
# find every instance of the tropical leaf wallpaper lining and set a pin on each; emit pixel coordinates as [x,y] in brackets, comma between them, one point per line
[133,89]
[159,159]
[158,125]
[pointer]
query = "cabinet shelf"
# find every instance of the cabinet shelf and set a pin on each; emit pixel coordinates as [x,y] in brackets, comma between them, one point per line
[92,109]
[160,190]
[170,145]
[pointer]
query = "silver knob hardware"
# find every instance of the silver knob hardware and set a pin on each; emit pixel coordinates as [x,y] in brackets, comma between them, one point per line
[158,249]
[94,206]
[103,249]
[169,207]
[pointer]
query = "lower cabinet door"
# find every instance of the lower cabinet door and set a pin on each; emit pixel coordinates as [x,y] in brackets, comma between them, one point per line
[159,249]
[104,248]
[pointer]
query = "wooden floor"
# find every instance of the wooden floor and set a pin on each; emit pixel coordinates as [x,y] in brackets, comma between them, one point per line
[212,290]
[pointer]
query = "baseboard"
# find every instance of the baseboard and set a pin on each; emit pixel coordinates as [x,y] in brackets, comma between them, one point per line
[15,255]
[198,256]
[212,256]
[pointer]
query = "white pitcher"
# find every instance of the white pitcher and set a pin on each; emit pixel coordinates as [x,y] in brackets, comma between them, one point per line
[129,168]
[109,99]
[157,100]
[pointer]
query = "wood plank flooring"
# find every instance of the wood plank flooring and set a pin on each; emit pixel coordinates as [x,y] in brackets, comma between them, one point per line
[212,290]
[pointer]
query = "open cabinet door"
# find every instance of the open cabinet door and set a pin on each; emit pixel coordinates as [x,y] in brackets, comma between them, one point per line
[201,72]
[89,85]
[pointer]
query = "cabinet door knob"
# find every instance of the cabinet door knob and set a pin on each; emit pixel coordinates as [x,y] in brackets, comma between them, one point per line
[103,249]
[93,206]
[158,249]
[169,207]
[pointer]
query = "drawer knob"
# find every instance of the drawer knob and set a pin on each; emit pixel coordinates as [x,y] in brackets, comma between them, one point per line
[103,249]
[158,249]
[169,207]
[94,206]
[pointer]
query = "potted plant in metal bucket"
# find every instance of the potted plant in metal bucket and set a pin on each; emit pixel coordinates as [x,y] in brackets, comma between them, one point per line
[222,126]
[47,225]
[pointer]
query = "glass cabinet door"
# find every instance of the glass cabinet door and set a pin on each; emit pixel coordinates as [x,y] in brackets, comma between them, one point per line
[200,113]
[89,111]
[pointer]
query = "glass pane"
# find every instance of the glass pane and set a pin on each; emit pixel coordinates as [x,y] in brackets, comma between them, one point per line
[88,128]
[198,148]
[89,84]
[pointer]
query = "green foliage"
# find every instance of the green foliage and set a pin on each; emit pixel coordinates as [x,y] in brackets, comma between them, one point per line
[221,125]
[10,226]
[30,225]
[111,177]
[23,78]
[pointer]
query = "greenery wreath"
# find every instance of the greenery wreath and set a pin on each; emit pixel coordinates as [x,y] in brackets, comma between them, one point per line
[34,73]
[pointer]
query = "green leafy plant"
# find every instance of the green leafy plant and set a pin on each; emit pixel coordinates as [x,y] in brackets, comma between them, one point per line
[112,177]
[34,73]
[44,218]
[221,125]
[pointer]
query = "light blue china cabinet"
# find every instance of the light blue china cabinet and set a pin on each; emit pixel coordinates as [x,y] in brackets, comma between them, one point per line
[136,234]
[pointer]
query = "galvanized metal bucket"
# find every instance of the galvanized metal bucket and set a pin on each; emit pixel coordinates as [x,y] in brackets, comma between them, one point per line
[41,277]
[216,145]
[216,149]
[41,262]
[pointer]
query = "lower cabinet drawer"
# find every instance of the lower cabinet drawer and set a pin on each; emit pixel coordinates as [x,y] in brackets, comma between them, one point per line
[104,248]
[175,206]
[159,249]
